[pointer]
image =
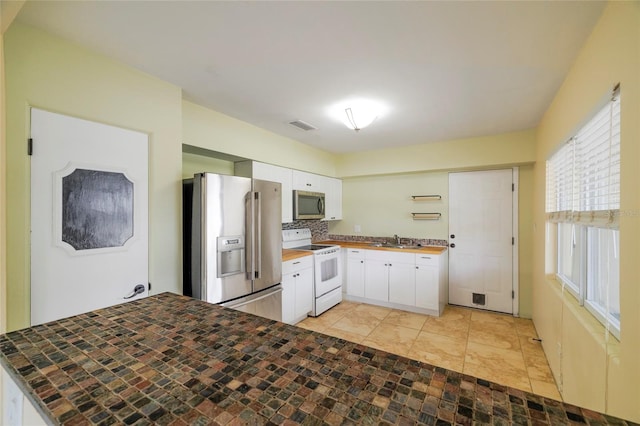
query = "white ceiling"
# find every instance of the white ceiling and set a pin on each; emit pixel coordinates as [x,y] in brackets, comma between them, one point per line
[446,70]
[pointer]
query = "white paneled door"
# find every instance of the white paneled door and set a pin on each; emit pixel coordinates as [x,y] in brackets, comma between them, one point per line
[481,239]
[89,216]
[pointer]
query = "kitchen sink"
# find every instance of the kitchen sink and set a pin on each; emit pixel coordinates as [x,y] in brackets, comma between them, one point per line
[398,246]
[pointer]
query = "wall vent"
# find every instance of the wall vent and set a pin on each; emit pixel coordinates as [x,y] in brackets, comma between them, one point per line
[302,125]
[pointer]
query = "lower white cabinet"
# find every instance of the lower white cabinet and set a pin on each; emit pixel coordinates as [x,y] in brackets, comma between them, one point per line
[376,285]
[427,281]
[390,276]
[402,283]
[355,272]
[403,280]
[297,289]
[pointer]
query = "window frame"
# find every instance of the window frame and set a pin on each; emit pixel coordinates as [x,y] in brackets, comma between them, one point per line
[574,173]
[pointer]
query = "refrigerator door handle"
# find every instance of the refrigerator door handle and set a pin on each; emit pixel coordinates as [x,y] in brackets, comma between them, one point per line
[245,302]
[249,239]
[258,233]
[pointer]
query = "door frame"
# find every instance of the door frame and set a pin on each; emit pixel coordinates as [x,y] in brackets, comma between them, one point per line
[515,271]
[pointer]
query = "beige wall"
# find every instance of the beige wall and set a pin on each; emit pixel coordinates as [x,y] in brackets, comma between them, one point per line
[208,129]
[594,369]
[46,72]
[495,151]
[194,163]
[371,179]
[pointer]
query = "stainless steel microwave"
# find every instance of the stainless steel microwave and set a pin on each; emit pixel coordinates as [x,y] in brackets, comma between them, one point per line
[308,205]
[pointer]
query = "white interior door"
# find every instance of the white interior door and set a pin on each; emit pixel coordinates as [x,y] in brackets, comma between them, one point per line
[480,239]
[89,216]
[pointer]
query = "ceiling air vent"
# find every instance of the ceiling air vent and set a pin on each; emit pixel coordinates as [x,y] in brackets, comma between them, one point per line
[302,125]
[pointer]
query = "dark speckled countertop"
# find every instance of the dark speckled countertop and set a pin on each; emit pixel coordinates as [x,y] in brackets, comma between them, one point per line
[170,359]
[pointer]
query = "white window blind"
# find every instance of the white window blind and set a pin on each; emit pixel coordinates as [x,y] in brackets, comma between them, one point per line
[583,176]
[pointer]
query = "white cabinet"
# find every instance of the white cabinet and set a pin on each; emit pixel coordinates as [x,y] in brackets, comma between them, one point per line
[355,272]
[426,283]
[256,170]
[330,187]
[402,280]
[402,283]
[296,179]
[297,289]
[390,276]
[431,281]
[308,181]
[333,199]
[377,280]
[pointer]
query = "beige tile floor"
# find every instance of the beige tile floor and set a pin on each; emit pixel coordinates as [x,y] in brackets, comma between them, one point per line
[483,344]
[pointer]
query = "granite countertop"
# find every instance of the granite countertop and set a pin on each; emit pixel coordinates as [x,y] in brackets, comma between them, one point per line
[367,245]
[170,359]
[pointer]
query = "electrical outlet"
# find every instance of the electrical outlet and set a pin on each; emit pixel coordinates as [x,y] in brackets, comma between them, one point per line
[357,229]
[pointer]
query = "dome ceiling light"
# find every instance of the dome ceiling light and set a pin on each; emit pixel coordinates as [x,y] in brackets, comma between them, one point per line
[357,114]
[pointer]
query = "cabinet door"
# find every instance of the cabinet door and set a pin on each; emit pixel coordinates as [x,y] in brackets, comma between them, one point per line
[376,280]
[288,298]
[278,174]
[306,181]
[355,276]
[304,293]
[333,193]
[427,286]
[402,283]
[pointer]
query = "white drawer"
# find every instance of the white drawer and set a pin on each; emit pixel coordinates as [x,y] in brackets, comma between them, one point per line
[355,253]
[427,259]
[297,264]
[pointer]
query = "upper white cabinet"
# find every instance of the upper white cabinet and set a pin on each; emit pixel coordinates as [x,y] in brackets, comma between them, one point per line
[295,179]
[308,181]
[330,187]
[256,170]
[333,200]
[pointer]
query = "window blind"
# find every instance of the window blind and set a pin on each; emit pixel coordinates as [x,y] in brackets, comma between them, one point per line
[583,176]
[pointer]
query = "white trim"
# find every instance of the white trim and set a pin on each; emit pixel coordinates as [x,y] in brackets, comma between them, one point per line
[515,282]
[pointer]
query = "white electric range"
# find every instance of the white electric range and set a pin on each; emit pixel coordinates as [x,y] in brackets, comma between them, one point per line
[327,268]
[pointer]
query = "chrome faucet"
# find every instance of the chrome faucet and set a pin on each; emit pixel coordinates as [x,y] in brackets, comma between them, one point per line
[397,239]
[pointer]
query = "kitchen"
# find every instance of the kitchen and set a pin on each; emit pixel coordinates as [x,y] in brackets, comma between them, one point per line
[134,100]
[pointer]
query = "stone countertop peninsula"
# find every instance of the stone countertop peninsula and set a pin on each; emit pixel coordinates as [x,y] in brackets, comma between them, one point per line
[170,359]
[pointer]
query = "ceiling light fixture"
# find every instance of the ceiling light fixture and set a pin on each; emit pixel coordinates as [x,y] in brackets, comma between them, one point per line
[357,114]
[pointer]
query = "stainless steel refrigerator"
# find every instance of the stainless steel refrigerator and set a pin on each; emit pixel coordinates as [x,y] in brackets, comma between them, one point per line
[233,242]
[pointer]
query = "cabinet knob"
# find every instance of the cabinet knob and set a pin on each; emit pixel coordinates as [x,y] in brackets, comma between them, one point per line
[362,261]
[452,245]
[452,235]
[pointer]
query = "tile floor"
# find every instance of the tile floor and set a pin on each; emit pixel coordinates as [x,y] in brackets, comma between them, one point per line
[487,345]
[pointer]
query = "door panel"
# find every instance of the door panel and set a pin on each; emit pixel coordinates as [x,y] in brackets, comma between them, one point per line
[89,215]
[480,229]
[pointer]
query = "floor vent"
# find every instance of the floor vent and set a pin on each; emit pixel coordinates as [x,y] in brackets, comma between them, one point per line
[302,125]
